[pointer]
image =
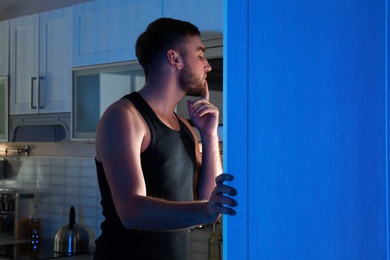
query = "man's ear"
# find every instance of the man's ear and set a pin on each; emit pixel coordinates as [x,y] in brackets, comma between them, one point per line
[174,58]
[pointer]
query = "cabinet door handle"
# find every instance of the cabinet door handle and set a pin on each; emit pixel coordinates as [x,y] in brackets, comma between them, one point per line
[32,93]
[39,93]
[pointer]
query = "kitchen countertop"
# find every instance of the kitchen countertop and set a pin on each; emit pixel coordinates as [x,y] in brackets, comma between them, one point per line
[7,240]
[76,257]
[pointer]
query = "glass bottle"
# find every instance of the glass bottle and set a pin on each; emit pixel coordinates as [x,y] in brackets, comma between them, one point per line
[214,243]
[35,224]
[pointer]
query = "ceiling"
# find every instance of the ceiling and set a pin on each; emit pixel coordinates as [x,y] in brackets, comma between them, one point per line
[15,8]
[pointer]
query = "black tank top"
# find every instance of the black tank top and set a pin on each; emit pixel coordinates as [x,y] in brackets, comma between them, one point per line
[168,165]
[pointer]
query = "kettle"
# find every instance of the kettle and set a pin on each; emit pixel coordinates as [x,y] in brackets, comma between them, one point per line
[71,238]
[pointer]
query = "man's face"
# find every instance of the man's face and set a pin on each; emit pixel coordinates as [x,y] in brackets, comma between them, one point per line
[190,83]
[192,77]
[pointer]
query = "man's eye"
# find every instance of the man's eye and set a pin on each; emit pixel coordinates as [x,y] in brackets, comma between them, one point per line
[201,57]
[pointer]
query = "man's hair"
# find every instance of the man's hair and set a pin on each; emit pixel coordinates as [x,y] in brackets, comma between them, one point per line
[160,36]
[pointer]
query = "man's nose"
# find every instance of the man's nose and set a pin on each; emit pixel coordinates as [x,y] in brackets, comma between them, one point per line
[208,66]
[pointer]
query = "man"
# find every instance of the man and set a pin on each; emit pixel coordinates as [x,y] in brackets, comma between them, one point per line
[154,182]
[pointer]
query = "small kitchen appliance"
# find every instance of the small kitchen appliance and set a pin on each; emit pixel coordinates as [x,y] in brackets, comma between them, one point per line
[71,238]
[7,210]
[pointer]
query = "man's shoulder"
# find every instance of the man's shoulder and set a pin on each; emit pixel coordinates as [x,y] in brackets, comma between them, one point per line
[121,113]
[121,106]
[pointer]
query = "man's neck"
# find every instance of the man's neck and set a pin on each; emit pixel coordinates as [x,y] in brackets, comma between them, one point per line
[162,97]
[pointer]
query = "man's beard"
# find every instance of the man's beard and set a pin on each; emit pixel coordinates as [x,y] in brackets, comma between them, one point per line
[190,84]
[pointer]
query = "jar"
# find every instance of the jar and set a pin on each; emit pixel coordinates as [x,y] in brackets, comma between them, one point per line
[24,204]
[7,200]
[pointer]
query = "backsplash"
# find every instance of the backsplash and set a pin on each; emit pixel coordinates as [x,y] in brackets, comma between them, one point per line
[60,183]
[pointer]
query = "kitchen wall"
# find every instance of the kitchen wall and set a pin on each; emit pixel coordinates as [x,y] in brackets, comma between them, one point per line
[62,182]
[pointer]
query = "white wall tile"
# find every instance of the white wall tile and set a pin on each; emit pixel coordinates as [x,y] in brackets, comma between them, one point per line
[58,162]
[56,189]
[72,181]
[57,170]
[72,171]
[88,192]
[73,162]
[73,190]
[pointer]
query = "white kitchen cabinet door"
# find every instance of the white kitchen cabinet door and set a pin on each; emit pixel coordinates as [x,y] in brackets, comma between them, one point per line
[106,31]
[97,87]
[24,64]
[206,15]
[40,58]
[4,48]
[55,61]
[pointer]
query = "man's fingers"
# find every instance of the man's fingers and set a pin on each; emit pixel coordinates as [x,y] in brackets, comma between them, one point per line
[207,93]
[225,189]
[224,177]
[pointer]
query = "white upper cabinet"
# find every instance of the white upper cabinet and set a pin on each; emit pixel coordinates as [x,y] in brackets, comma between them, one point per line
[4,48]
[24,64]
[205,14]
[40,59]
[55,60]
[106,31]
